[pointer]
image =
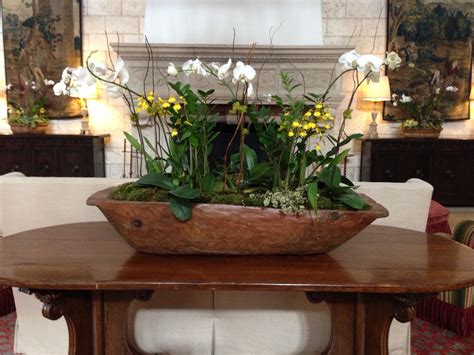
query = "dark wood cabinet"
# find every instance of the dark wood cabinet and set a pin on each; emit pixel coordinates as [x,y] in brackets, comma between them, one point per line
[447,164]
[53,155]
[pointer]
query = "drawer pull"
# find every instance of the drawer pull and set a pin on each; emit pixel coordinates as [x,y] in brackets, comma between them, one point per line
[44,168]
[450,174]
[75,169]
[420,173]
[388,173]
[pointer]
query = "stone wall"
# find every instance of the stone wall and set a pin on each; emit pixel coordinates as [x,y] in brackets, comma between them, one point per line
[355,23]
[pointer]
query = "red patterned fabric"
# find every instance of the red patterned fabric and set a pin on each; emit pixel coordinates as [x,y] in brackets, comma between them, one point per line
[438,219]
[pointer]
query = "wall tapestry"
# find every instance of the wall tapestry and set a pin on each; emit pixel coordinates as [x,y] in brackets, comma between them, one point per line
[41,38]
[435,39]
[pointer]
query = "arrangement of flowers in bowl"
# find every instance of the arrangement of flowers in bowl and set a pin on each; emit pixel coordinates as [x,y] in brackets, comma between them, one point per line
[423,119]
[296,201]
[29,115]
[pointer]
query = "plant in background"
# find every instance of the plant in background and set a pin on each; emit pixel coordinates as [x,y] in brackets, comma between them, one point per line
[421,110]
[302,146]
[31,109]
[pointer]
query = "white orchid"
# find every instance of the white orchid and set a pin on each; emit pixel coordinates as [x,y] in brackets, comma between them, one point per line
[48,82]
[98,68]
[349,60]
[120,73]
[437,91]
[172,70]
[223,71]
[243,73]
[60,88]
[405,99]
[250,90]
[452,88]
[74,81]
[194,67]
[369,62]
[9,86]
[393,60]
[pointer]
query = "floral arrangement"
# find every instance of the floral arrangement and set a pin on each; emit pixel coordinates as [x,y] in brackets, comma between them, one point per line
[421,110]
[31,110]
[302,147]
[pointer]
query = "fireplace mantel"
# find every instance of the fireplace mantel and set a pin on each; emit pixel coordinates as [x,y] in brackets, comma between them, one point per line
[313,66]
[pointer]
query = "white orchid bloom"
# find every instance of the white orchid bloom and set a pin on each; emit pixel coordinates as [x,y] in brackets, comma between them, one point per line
[349,60]
[243,73]
[48,82]
[405,99]
[452,88]
[114,91]
[393,60]
[9,86]
[98,68]
[437,91]
[60,89]
[369,62]
[172,70]
[250,90]
[223,71]
[122,74]
[194,67]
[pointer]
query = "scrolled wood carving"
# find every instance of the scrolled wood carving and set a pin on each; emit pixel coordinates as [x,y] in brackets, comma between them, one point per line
[404,307]
[53,303]
[316,297]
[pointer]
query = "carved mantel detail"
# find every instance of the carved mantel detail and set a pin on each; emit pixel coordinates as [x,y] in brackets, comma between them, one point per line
[313,66]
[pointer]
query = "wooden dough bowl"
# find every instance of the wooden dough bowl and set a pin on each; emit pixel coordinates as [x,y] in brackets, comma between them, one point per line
[150,227]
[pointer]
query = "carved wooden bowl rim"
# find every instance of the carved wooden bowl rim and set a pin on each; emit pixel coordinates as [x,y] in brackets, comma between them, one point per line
[376,210]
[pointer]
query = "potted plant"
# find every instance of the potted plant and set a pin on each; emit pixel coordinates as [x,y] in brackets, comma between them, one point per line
[29,114]
[297,201]
[423,120]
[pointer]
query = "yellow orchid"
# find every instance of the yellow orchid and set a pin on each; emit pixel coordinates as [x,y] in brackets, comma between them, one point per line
[174,132]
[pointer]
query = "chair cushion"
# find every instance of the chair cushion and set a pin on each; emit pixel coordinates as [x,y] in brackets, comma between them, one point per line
[438,219]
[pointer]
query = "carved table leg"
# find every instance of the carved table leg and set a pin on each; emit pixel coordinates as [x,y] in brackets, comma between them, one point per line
[76,308]
[96,320]
[361,322]
[117,336]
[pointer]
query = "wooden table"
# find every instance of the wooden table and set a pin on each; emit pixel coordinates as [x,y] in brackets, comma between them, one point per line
[86,273]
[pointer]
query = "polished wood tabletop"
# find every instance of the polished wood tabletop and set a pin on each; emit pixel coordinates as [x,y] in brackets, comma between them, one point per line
[92,256]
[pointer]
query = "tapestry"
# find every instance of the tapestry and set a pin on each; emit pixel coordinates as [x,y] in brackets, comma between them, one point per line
[41,38]
[434,39]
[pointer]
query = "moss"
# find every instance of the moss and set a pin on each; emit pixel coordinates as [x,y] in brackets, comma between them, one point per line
[132,192]
[227,199]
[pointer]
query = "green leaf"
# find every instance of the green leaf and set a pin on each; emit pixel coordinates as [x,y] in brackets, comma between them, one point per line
[351,199]
[181,208]
[259,171]
[185,192]
[250,157]
[313,195]
[208,183]
[330,176]
[339,158]
[156,179]
[133,141]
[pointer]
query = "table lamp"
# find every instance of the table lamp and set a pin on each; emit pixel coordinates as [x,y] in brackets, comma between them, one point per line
[83,93]
[376,92]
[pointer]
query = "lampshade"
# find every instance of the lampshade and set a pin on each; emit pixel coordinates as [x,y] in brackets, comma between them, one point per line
[376,92]
[471,97]
[84,91]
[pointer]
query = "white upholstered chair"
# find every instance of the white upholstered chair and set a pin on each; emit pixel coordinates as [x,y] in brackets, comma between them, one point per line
[192,322]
